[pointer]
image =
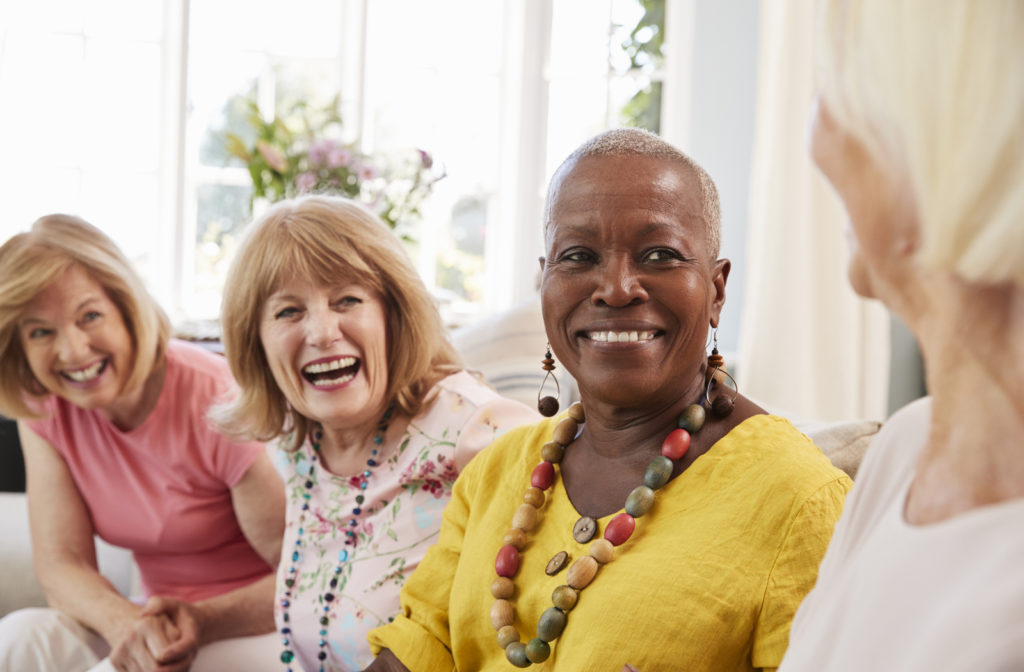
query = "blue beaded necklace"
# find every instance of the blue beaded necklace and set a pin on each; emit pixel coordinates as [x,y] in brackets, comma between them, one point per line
[326,600]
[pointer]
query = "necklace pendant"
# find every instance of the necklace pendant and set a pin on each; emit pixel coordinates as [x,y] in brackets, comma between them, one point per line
[584,529]
[557,563]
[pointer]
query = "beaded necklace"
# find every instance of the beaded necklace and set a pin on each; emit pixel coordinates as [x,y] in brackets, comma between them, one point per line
[583,570]
[326,599]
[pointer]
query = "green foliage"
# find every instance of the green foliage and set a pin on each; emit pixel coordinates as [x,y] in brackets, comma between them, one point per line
[644,48]
[300,151]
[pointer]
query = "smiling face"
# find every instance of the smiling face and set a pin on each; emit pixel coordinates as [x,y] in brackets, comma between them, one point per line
[76,342]
[327,350]
[629,289]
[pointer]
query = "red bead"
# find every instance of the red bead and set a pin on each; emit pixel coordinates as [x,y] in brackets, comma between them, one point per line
[676,444]
[543,475]
[507,562]
[619,529]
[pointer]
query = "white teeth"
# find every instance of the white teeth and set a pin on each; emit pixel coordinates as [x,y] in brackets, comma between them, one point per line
[83,375]
[324,382]
[620,336]
[324,367]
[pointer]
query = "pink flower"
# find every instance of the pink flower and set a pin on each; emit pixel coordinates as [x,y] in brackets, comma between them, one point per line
[273,156]
[435,477]
[319,150]
[426,159]
[321,527]
[450,472]
[366,172]
[434,487]
[305,181]
[338,157]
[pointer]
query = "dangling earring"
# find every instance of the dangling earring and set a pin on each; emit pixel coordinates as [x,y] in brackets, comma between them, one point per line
[716,375]
[548,406]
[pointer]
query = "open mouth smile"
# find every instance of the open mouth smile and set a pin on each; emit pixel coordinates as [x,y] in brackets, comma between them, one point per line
[88,373]
[621,336]
[331,373]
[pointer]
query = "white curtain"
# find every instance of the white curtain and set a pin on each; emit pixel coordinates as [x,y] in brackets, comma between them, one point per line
[810,346]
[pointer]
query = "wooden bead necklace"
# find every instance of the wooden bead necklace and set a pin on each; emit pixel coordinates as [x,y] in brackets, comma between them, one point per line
[582,571]
[326,599]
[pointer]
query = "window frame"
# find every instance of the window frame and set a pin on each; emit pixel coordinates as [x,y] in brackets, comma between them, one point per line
[509,277]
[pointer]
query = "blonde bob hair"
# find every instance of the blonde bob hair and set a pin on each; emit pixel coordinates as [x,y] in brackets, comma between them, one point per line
[933,90]
[30,262]
[325,241]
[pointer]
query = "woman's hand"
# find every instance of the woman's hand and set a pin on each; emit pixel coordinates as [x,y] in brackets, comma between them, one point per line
[155,643]
[186,617]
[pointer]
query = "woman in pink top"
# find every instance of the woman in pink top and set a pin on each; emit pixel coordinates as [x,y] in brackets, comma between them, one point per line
[112,420]
[340,353]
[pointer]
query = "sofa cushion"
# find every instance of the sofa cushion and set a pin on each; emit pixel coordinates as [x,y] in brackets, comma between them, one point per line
[844,443]
[18,585]
[507,349]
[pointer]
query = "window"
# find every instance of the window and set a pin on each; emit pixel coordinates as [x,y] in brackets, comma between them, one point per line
[240,50]
[122,104]
[74,142]
[471,85]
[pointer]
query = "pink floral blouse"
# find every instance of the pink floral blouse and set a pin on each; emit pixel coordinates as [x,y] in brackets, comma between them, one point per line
[400,518]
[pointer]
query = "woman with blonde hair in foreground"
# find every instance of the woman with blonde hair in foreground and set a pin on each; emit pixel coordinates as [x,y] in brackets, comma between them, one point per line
[341,354]
[920,129]
[112,418]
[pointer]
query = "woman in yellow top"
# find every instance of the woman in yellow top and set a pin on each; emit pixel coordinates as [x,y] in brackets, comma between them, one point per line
[672,524]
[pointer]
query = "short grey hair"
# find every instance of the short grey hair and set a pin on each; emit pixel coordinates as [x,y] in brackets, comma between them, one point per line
[640,142]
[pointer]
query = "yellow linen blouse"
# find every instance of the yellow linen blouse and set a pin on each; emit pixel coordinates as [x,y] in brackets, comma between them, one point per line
[709,581]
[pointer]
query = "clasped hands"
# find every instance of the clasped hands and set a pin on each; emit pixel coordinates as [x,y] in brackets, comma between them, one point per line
[164,638]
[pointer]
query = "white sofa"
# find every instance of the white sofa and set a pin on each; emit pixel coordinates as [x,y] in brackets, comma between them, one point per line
[18,585]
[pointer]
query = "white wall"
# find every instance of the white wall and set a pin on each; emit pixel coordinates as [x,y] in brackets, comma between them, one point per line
[723,81]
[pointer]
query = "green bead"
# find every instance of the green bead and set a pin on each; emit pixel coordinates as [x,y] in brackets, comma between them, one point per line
[692,418]
[658,472]
[287,657]
[516,654]
[538,650]
[639,501]
[551,624]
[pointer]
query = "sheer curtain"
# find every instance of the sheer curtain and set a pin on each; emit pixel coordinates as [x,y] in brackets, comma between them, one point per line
[810,348]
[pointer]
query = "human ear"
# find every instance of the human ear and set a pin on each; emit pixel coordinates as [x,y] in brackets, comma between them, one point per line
[719,276]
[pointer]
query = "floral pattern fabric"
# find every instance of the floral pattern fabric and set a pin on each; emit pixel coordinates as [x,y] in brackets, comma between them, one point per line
[399,518]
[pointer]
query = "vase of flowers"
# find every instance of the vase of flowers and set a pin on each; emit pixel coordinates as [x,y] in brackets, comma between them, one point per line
[301,151]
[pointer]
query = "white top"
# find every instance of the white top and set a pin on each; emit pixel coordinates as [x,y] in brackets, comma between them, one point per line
[947,596]
[398,521]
